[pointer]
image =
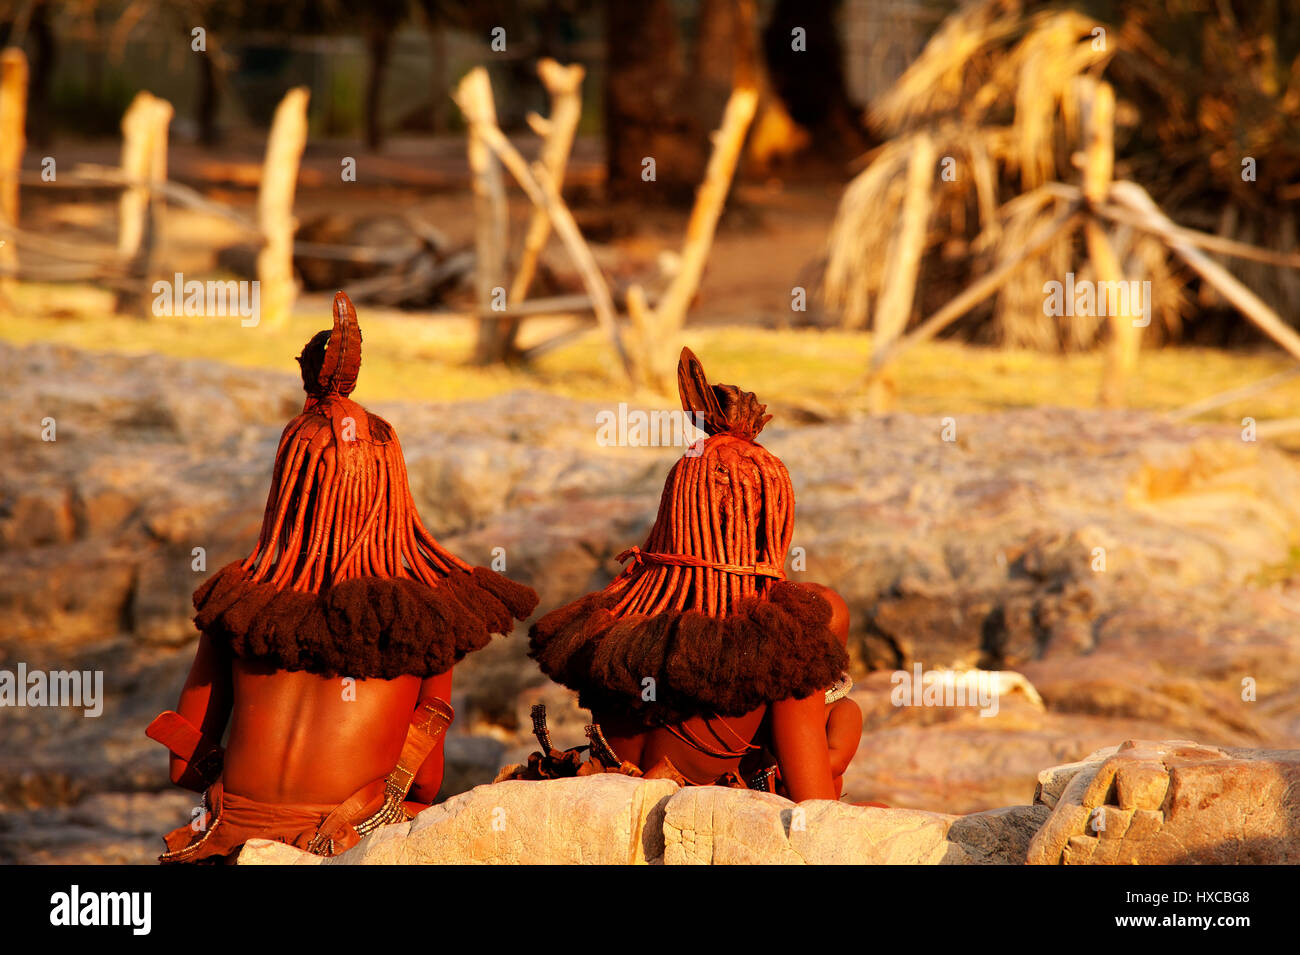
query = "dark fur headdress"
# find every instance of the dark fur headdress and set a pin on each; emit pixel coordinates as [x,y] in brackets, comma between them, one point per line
[703,608]
[345,579]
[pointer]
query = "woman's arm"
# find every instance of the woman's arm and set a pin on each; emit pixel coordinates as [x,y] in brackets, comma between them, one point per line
[799,739]
[429,779]
[206,700]
[843,734]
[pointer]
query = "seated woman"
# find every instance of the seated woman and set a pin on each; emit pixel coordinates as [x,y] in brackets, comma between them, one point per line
[701,652]
[327,653]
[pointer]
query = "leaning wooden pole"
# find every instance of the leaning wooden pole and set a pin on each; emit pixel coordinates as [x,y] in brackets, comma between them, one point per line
[979,290]
[491,216]
[564,84]
[13,120]
[1133,198]
[902,266]
[137,154]
[658,329]
[275,218]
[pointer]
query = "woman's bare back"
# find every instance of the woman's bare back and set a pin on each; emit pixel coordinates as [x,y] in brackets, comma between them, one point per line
[277,754]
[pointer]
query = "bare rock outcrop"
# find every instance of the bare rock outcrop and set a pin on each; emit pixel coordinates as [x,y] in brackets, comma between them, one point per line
[1173,802]
[1170,802]
[618,820]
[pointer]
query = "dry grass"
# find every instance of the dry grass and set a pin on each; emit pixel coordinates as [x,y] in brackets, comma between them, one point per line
[410,358]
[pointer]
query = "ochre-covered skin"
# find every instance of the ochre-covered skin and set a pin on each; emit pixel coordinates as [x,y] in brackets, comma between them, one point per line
[844,716]
[317,648]
[700,651]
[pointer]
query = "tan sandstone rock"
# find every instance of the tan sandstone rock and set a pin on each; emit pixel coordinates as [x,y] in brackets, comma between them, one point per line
[1140,802]
[603,820]
[617,820]
[1176,802]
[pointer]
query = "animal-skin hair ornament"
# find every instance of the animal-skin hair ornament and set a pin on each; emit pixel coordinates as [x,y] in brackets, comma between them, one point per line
[345,579]
[703,608]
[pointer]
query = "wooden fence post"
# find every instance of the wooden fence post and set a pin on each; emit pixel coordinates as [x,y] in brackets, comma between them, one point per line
[141,208]
[474,95]
[13,118]
[1098,172]
[275,206]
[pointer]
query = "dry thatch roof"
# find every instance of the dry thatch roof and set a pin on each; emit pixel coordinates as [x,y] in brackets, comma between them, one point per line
[1000,93]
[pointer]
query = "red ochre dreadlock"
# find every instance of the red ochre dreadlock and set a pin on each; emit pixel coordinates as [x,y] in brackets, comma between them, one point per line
[345,578]
[722,533]
[704,608]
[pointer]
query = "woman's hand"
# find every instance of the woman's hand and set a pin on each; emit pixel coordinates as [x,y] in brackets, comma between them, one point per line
[206,701]
[799,739]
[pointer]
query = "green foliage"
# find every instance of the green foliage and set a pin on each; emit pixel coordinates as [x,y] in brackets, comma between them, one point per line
[86,108]
[343,112]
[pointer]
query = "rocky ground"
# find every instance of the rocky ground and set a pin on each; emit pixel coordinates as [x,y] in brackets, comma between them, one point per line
[1140,575]
[1174,802]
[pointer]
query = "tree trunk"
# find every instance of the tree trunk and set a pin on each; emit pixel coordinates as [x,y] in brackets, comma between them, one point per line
[647,108]
[379,40]
[209,98]
[810,81]
[40,125]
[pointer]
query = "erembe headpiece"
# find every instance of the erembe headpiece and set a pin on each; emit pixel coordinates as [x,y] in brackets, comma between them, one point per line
[703,608]
[345,579]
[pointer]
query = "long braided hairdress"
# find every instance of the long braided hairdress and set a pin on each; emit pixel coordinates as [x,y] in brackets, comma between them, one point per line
[345,579]
[703,609]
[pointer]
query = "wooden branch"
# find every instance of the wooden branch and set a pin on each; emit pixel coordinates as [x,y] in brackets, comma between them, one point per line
[1131,196]
[902,264]
[60,249]
[137,153]
[658,328]
[555,341]
[1235,394]
[979,290]
[13,119]
[354,253]
[1202,240]
[542,192]
[1277,427]
[84,174]
[275,205]
[564,84]
[709,201]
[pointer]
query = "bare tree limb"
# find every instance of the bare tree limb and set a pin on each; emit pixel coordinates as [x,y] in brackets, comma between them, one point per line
[544,193]
[1131,196]
[564,84]
[979,290]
